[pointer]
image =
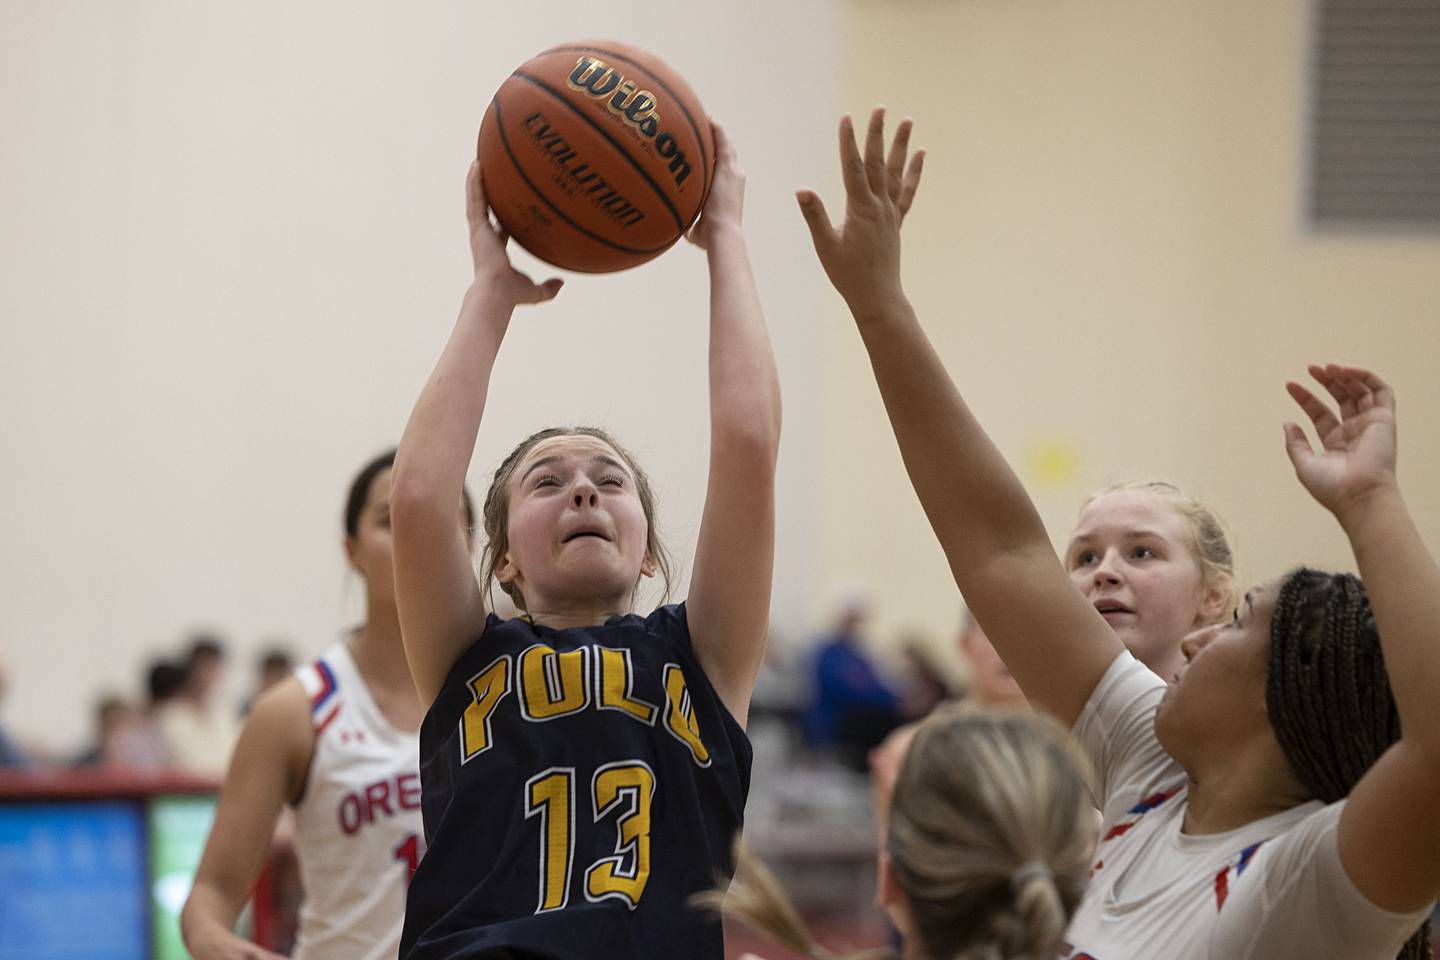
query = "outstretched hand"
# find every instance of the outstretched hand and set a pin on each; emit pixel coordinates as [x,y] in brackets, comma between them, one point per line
[487,248]
[726,203]
[1357,453]
[862,258]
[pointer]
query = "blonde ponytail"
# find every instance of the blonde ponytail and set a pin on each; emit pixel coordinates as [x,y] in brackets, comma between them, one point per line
[990,836]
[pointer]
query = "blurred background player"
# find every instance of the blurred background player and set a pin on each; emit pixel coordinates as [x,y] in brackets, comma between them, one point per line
[338,743]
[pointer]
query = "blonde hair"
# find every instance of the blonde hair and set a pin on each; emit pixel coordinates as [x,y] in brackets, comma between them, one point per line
[1209,539]
[991,836]
[495,514]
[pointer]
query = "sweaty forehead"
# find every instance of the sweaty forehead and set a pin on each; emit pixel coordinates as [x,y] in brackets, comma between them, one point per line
[570,446]
[1126,512]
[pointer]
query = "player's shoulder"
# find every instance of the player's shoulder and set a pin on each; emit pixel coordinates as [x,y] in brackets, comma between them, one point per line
[282,713]
[277,734]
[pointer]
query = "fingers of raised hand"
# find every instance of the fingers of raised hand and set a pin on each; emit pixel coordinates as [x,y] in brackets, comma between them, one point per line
[852,168]
[895,162]
[1320,415]
[477,208]
[911,182]
[1297,445]
[1380,392]
[724,147]
[822,231]
[1361,399]
[532,292]
[1332,378]
[875,151]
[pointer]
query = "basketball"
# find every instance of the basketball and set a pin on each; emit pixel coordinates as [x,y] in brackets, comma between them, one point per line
[596,156]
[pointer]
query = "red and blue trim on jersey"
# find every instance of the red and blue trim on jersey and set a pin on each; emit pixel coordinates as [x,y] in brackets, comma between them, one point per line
[1139,810]
[1222,879]
[328,686]
[1136,813]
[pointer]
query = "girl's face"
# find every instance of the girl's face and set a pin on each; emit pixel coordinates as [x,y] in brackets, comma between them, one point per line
[577,529]
[1217,697]
[1131,557]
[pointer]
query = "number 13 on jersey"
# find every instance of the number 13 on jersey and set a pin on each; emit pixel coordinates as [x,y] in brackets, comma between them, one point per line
[622,790]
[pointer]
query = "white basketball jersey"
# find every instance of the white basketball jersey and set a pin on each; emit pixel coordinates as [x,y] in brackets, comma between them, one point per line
[358,834]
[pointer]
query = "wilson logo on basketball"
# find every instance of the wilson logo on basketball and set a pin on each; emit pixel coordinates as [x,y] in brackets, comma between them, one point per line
[598,80]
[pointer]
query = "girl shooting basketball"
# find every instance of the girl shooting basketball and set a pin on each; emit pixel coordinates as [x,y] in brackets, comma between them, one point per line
[584,766]
[1277,799]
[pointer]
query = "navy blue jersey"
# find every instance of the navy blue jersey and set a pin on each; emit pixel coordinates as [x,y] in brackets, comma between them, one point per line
[579,786]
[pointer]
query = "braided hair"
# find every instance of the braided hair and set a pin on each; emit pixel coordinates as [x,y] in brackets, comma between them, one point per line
[1326,692]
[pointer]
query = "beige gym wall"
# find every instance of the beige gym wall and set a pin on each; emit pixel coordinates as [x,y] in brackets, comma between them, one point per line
[234,241]
[1109,254]
[235,247]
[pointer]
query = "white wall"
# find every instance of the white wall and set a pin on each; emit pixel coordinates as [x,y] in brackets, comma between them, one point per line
[235,243]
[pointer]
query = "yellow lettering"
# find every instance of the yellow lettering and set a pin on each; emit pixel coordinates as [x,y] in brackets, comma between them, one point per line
[680,714]
[551,797]
[626,788]
[617,678]
[488,687]
[553,684]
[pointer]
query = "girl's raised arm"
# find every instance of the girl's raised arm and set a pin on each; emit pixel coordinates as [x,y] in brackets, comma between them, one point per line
[1054,642]
[439,600]
[1390,828]
[729,601]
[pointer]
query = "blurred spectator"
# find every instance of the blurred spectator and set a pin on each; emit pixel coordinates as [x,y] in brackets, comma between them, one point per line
[143,744]
[780,692]
[853,708]
[926,685]
[10,754]
[990,681]
[274,665]
[114,717]
[991,685]
[200,731]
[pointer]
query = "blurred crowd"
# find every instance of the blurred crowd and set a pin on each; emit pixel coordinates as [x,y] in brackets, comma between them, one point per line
[842,693]
[181,722]
[832,700]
